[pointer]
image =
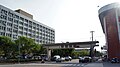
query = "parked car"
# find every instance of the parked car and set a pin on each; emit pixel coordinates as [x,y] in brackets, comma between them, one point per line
[115,60]
[62,58]
[55,57]
[68,58]
[44,57]
[37,57]
[84,59]
[81,59]
[58,60]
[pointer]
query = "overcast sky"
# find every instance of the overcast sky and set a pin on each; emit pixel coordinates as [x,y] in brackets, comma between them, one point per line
[72,19]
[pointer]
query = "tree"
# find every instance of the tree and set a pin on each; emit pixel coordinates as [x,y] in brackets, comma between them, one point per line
[98,53]
[81,53]
[62,52]
[37,49]
[25,44]
[6,46]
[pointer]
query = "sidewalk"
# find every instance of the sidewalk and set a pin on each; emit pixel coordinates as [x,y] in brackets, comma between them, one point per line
[94,65]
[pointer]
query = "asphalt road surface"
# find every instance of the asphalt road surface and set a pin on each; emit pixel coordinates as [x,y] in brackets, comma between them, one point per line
[73,63]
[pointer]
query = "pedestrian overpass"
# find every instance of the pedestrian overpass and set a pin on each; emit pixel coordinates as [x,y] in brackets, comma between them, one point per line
[70,45]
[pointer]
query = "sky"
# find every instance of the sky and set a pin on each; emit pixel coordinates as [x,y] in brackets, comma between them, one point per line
[72,19]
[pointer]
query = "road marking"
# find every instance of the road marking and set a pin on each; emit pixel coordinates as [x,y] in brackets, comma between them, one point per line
[78,64]
[82,65]
[75,65]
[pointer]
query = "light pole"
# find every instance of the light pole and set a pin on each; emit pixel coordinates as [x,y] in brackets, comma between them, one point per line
[92,34]
[92,46]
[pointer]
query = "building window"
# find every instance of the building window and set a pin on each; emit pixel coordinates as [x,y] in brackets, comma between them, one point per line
[3,17]
[33,36]
[34,32]
[26,25]
[15,26]
[9,29]
[40,26]
[4,12]
[15,31]
[34,28]
[30,22]
[21,23]
[30,35]
[10,19]
[22,19]
[25,29]
[30,26]
[9,24]
[3,23]
[10,14]
[20,27]
[26,20]
[34,24]
[8,34]
[20,32]
[25,33]
[2,33]
[37,36]
[2,28]
[16,21]
[15,36]
[37,25]
[30,30]
[16,16]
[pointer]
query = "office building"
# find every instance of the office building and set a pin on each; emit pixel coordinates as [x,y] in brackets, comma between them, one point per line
[20,23]
[109,16]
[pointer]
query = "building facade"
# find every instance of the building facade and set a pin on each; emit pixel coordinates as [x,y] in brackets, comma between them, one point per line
[20,23]
[109,16]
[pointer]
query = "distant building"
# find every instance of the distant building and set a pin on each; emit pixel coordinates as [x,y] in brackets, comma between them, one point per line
[109,16]
[20,23]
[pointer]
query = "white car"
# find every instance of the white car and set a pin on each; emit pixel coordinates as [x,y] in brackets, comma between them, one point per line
[62,58]
[56,57]
[68,58]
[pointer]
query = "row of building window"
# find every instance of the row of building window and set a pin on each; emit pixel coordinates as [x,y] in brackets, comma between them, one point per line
[21,22]
[13,25]
[16,26]
[8,13]
[15,37]
[10,35]
[25,29]
[21,32]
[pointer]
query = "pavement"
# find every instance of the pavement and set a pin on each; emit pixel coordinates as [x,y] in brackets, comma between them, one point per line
[94,65]
[73,63]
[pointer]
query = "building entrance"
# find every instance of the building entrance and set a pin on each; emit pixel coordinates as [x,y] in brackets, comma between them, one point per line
[88,44]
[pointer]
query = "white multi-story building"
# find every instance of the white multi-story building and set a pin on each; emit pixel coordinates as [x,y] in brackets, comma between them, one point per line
[20,23]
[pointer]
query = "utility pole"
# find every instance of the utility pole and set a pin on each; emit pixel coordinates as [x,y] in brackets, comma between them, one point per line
[92,47]
[92,34]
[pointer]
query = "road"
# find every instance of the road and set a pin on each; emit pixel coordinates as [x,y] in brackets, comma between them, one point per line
[73,63]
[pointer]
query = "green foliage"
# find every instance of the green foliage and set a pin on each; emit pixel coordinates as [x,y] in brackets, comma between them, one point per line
[27,45]
[6,46]
[81,53]
[62,52]
[98,53]
[10,48]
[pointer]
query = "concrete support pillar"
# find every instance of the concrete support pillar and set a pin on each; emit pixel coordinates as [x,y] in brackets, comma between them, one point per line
[92,52]
[49,54]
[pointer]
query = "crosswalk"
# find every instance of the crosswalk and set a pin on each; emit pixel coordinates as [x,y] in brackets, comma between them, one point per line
[73,65]
[50,65]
